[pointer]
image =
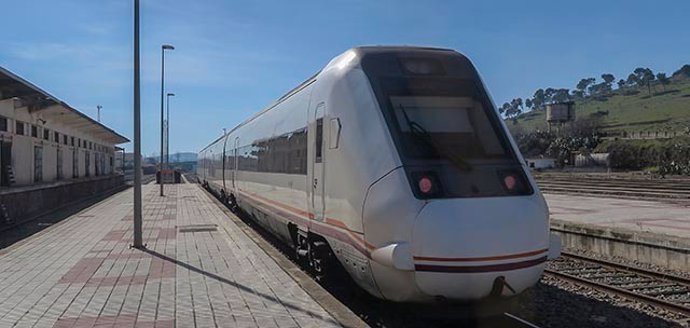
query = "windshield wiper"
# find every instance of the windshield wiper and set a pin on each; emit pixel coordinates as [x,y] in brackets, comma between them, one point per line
[422,134]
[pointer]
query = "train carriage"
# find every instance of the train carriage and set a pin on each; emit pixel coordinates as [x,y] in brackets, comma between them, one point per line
[395,161]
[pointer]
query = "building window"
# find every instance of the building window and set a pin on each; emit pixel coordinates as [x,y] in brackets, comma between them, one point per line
[34,131]
[19,128]
[46,134]
[56,136]
[64,139]
[38,163]
[72,141]
[3,124]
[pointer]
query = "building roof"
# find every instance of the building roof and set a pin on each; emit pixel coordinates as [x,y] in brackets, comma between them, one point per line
[53,109]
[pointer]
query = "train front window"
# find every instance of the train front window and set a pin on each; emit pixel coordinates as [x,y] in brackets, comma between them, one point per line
[455,127]
[449,136]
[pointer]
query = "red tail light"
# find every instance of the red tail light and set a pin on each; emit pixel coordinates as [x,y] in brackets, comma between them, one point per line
[514,182]
[426,184]
[509,182]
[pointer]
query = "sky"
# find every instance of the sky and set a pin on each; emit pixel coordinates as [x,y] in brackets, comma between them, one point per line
[232,58]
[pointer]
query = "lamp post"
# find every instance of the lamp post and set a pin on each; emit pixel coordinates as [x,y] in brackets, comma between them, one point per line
[163,49]
[167,130]
[137,243]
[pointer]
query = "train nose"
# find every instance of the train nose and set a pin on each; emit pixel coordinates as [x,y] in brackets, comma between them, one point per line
[462,248]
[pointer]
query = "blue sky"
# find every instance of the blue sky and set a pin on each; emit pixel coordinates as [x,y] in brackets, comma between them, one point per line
[234,57]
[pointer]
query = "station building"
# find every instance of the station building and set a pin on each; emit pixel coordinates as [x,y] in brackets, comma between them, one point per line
[44,144]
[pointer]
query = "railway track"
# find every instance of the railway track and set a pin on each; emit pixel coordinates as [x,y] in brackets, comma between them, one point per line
[669,189]
[668,292]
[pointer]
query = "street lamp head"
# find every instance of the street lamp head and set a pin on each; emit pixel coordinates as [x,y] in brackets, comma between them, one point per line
[171,94]
[167,47]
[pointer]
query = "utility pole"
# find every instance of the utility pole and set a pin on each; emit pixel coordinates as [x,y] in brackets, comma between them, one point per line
[167,131]
[163,49]
[138,240]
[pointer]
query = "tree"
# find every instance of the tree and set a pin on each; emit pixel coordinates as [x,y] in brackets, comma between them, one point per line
[621,84]
[663,80]
[632,80]
[608,78]
[561,95]
[645,76]
[504,108]
[683,72]
[584,84]
[548,95]
[528,103]
[538,99]
[516,104]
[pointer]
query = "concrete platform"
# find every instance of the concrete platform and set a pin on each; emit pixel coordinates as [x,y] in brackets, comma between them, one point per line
[654,232]
[634,215]
[200,270]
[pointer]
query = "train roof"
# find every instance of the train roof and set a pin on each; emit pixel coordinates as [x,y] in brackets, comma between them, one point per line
[360,52]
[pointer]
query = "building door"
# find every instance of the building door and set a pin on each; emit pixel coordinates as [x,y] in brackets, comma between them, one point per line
[75,163]
[97,163]
[38,163]
[5,163]
[318,165]
[87,162]
[59,164]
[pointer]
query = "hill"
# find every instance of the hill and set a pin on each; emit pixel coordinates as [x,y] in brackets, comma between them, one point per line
[628,111]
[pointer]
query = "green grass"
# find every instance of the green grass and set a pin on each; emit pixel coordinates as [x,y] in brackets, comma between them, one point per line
[663,111]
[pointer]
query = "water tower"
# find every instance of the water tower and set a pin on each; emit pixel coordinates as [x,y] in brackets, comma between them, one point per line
[560,113]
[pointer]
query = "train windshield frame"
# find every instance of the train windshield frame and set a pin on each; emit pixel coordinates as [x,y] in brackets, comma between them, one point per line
[445,128]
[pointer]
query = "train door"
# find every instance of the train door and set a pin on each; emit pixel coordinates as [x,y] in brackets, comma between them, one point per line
[319,161]
[235,162]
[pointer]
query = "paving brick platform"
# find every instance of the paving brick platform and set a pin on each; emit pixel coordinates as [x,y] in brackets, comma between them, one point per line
[199,270]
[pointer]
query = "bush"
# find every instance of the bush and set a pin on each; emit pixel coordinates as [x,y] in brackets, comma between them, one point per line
[672,156]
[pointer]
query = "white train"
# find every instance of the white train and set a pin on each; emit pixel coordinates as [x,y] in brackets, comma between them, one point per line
[394,160]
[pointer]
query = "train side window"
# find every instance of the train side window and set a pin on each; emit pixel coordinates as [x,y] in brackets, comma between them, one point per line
[335,133]
[319,140]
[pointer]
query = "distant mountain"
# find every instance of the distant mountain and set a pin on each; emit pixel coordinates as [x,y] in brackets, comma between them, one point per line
[174,158]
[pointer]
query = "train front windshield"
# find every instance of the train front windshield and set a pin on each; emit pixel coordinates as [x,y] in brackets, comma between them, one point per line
[448,134]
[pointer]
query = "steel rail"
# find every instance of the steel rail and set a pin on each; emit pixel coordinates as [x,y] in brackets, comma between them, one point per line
[623,267]
[629,294]
[520,320]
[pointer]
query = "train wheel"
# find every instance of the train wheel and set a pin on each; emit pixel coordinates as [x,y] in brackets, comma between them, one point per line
[320,256]
[233,203]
